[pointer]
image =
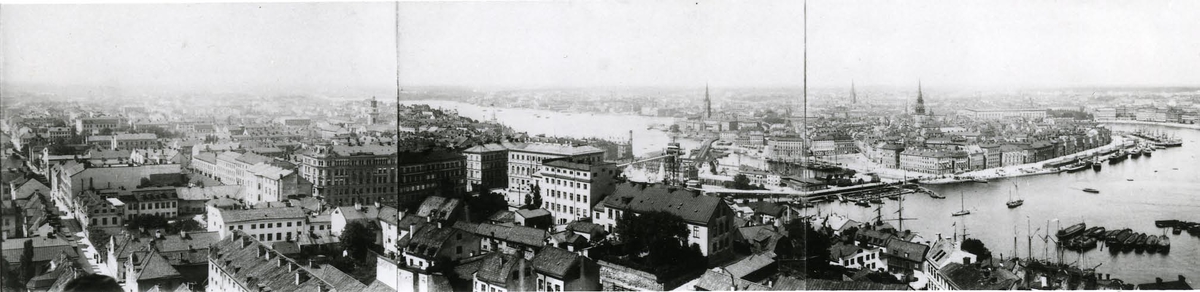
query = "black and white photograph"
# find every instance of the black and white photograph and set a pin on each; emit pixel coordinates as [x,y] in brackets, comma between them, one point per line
[599,145]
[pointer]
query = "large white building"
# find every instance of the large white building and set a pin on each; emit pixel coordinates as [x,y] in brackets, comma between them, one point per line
[569,189]
[525,161]
[1003,113]
[268,225]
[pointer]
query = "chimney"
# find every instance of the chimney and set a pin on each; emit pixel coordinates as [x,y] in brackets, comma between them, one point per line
[429,219]
[158,234]
[183,235]
[1158,280]
[440,224]
[301,277]
[312,263]
[376,204]
[357,206]
[1182,279]
[282,261]
[966,261]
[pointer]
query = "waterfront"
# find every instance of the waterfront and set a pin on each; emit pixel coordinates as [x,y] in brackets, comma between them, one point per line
[1164,186]
[575,125]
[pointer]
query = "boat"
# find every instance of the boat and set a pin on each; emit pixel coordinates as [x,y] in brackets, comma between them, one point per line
[876,201]
[1095,231]
[1091,190]
[1072,230]
[1147,151]
[1120,156]
[1176,230]
[1123,237]
[935,195]
[1014,203]
[1096,165]
[1135,154]
[862,203]
[1164,243]
[980,180]
[1165,223]
[1111,235]
[963,203]
[1075,167]
[1151,243]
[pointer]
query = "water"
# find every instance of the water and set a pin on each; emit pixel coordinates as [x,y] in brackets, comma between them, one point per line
[577,125]
[1165,186]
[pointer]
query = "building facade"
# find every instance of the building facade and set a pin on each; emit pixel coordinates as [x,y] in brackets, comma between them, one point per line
[344,175]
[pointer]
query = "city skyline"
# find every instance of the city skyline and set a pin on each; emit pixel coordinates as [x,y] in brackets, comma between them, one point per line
[332,47]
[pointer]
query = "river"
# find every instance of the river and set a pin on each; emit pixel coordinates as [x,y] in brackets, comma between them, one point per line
[1165,185]
[576,125]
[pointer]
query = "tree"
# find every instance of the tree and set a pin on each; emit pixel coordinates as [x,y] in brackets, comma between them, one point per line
[976,247]
[357,239]
[106,131]
[537,197]
[484,205]
[806,250]
[185,225]
[741,182]
[9,277]
[147,221]
[658,239]
[27,269]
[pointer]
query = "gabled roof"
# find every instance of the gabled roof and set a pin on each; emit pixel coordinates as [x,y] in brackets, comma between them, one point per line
[693,207]
[750,264]
[767,208]
[209,192]
[911,251]
[555,262]
[495,269]
[233,216]
[516,234]
[438,207]
[153,266]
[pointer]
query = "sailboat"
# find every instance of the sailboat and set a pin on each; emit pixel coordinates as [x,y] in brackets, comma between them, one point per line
[964,210]
[1014,203]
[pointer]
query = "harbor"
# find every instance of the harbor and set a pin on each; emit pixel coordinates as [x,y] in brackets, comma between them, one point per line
[1132,194]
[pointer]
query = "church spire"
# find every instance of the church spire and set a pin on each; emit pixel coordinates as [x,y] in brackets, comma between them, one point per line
[853,96]
[707,103]
[920,109]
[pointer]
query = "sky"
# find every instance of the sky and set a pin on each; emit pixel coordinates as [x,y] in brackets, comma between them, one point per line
[332,46]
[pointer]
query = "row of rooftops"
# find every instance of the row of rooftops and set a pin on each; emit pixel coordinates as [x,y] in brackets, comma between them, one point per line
[540,148]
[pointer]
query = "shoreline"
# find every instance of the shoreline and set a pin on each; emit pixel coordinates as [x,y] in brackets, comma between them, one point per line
[1172,125]
[1012,171]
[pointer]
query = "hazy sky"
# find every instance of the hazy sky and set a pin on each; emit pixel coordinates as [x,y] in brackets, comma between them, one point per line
[604,43]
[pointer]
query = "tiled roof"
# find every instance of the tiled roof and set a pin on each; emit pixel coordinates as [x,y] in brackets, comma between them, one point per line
[517,234]
[792,284]
[116,177]
[208,193]
[495,269]
[750,265]
[532,213]
[911,251]
[767,208]
[153,266]
[556,262]
[490,147]
[232,216]
[244,265]
[690,205]
[967,277]
[719,281]
[139,136]
[555,149]
[441,206]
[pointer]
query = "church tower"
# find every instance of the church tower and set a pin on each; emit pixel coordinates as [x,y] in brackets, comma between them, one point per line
[920,109]
[853,96]
[707,103]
